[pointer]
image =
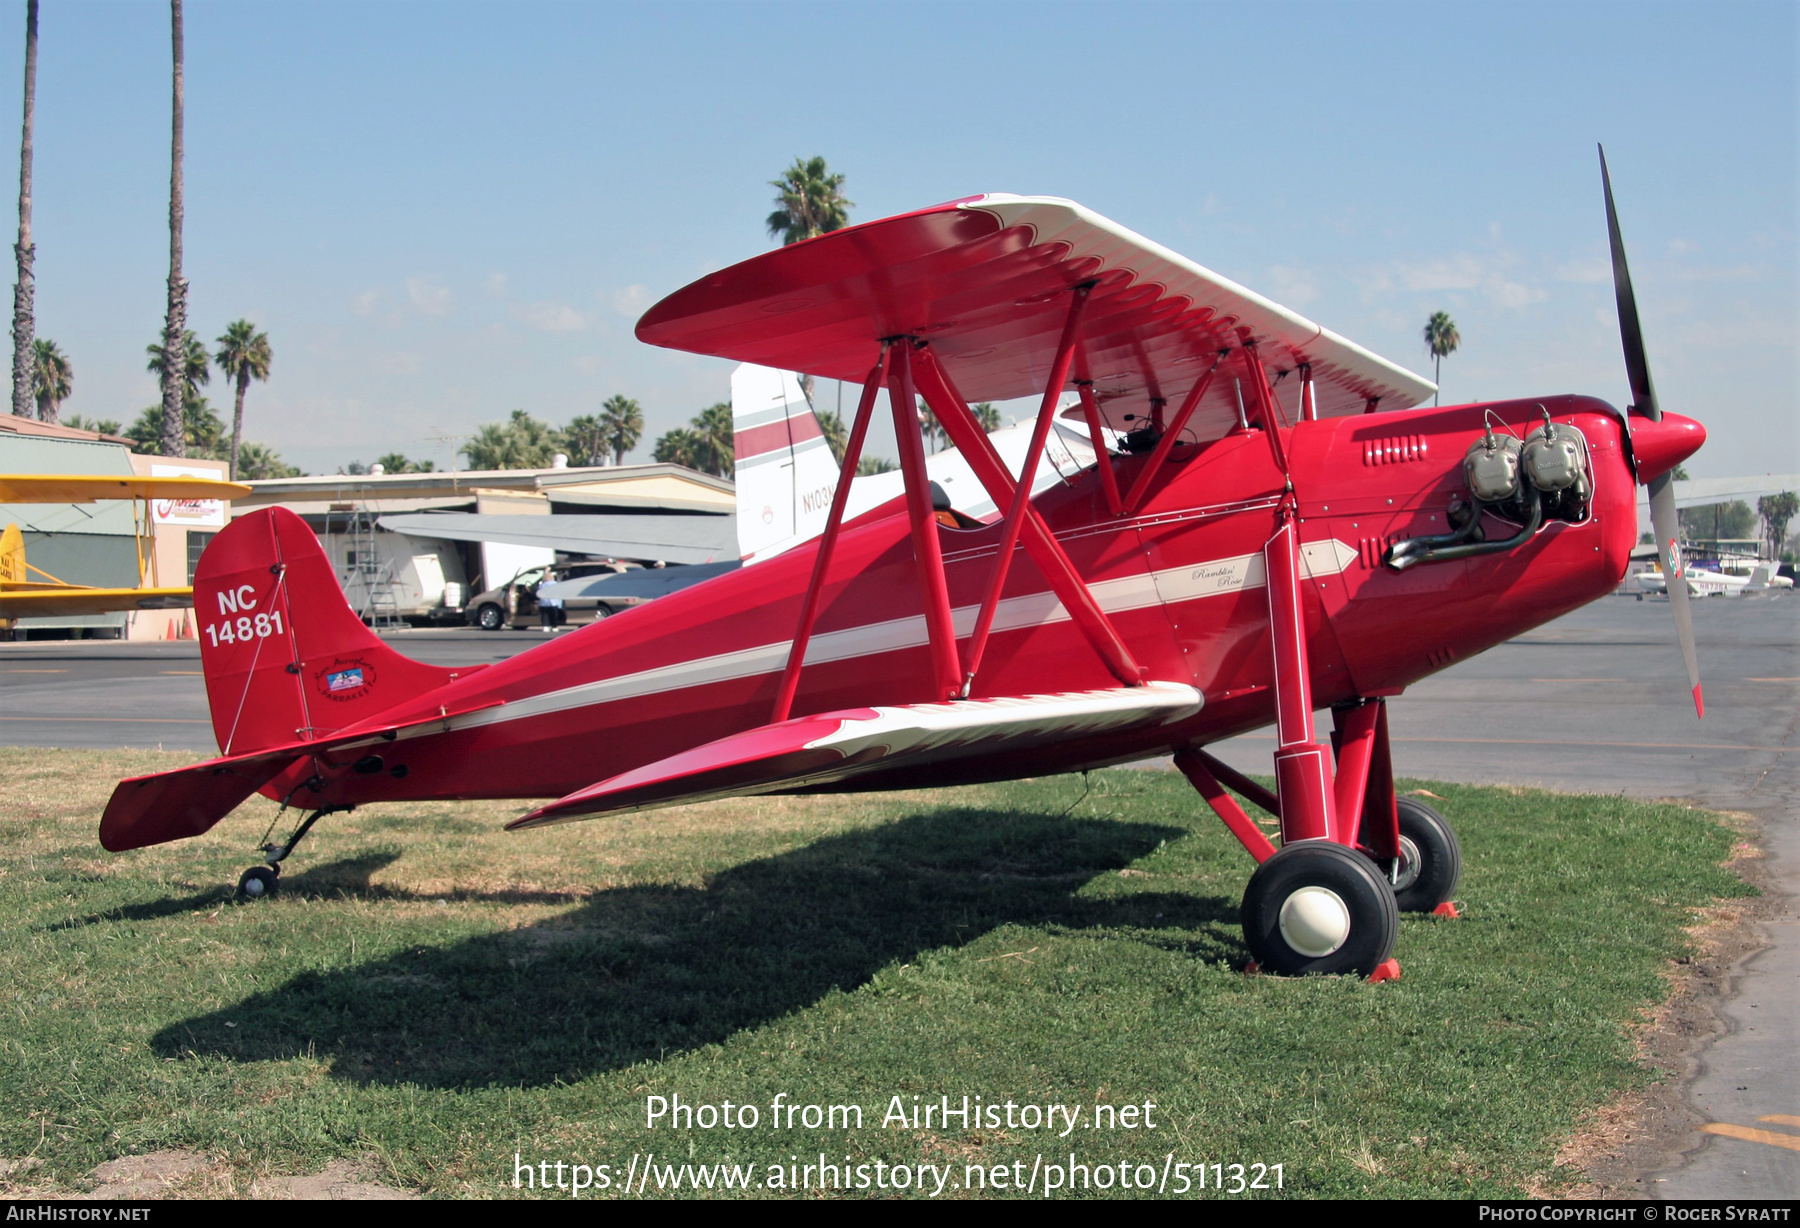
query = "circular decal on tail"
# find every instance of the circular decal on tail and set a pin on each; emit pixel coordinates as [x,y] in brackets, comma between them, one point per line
[345,679]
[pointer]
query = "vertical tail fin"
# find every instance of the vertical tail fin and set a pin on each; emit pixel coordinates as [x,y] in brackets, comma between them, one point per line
[785,473]
[285,657]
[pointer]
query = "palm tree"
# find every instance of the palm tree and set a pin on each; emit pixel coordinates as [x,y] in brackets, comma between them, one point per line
[195,367]
[837,438]
[104,426]
[874,464]
[1776,511]
[243,356]
[175,326]
[52,378]
[1441,340]
[201,428]
[622,424]
[521,442]
[680,446]
[586,439]
[257,461]
[987,415]
[398,462]
[704,443]
[713,426]
[24,290]
[936,437]
[809,201]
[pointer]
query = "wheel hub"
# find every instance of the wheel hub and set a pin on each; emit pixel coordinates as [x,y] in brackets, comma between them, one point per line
[1315,921]
[1408,871]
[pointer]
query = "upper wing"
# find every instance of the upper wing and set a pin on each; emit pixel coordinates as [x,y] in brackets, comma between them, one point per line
[58,488]
[836,746]
[984,280]
[66,600]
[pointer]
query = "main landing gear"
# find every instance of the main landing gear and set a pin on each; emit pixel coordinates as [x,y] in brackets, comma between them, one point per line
[1318,907]
[1354,854]
[1430,858]
[260,881]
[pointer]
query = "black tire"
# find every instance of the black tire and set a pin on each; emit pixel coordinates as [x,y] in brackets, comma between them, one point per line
[258,882]
[1287,887]
[489,617]
[1430,858]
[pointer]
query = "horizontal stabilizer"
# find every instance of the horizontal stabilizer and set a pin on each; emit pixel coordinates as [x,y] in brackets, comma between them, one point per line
[835,746]
[165,806]
[156,809]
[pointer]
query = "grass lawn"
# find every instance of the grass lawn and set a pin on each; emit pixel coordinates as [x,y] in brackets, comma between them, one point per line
[429,996]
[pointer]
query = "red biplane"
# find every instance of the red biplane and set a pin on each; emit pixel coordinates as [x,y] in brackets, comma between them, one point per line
[1280,532]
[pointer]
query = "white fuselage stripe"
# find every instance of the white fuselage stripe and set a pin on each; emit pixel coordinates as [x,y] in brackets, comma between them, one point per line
[1168,587]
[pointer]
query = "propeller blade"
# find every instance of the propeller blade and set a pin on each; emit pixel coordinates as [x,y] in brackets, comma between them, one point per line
[1637,365]
[1663,521]
[1643,401]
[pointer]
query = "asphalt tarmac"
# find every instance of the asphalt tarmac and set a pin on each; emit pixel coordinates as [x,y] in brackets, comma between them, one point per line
[1594,702]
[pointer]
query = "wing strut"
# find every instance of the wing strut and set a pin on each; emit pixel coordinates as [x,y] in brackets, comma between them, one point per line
[1058,571]
[1109,482]
[1140,489]
[1265,402]
[909,369]
[927,556]
[809,612]
[1021,493]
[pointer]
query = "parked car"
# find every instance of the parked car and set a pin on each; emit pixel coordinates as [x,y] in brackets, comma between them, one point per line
[514,604]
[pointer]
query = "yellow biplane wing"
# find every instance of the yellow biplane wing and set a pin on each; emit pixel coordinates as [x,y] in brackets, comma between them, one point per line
[23,596]
[64,600]
[59,488]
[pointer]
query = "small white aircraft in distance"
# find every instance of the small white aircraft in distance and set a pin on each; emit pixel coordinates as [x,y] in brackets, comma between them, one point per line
[1704,583]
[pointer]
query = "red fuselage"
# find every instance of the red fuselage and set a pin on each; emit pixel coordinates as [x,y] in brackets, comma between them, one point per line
[1182,582]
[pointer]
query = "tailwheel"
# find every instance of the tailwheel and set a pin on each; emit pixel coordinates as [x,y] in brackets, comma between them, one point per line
[1319,908]
[1430,858]
[258,881]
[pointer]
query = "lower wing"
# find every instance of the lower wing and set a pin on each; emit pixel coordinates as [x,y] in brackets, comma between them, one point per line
[836,746]
[60,600]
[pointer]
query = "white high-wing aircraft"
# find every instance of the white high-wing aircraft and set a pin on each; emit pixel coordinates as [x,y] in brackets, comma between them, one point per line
[786,475]
[1704,583]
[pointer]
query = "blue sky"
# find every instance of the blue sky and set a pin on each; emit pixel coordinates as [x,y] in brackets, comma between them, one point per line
[440,212]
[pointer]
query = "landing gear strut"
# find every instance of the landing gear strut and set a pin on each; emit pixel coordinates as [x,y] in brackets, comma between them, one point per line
[265,880]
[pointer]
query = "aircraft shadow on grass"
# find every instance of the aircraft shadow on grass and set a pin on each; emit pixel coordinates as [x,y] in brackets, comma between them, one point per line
[641,972]
[347,877]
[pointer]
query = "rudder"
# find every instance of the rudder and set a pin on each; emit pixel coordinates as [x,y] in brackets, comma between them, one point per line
[285,657]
